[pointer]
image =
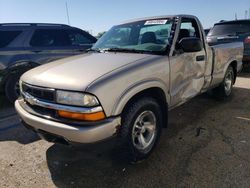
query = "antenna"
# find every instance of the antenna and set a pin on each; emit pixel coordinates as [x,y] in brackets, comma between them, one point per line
[67,10]
[236,16]
[245,14]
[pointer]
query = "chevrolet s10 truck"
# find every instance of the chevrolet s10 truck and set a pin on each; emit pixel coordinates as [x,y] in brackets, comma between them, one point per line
[125,85]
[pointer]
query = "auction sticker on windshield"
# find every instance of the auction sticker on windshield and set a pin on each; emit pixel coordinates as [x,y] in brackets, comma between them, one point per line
[155,22]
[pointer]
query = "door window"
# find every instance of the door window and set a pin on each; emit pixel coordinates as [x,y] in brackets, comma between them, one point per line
[189,28]
[79,38]
[50,38]
[6,37]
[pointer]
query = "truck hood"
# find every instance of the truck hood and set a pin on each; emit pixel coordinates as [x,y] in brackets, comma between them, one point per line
[77,72]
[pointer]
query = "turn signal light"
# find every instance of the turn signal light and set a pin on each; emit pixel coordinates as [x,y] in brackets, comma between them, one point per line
[80,116]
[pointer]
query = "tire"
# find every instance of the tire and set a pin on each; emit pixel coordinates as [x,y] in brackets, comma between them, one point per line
[224,90]
[12,87]
[141,128]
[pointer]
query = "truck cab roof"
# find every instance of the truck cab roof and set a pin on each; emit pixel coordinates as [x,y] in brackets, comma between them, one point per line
[160,17]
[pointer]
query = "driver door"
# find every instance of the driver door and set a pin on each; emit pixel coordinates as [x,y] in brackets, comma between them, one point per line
[187,68]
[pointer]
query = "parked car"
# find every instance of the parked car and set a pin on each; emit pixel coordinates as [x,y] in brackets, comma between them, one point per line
[232,31]
[26,45]
[125,86]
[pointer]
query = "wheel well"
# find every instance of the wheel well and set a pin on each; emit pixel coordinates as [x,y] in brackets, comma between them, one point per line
[234,65]
[18,69]
[156,93]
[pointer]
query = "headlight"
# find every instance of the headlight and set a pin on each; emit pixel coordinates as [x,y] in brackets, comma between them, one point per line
[76,98]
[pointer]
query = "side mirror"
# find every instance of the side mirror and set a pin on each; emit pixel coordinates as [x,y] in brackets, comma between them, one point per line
[190,44]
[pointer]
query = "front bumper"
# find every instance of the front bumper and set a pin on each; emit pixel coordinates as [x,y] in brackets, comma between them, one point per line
[71,133]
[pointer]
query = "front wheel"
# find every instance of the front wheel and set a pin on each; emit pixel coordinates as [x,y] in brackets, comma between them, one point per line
[224,90]
[140,129]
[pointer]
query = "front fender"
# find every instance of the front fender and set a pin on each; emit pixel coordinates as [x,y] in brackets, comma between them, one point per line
[137,88]
[115,88]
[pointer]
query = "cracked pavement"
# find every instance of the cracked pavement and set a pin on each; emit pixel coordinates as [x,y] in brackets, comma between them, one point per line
[207,144]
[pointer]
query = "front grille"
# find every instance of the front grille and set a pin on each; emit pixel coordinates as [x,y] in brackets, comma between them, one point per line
[42,111]
[46,94]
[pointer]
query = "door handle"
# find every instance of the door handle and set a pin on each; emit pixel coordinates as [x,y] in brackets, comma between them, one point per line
[200,58]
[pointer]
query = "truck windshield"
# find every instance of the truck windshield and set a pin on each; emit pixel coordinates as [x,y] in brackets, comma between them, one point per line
[148,36]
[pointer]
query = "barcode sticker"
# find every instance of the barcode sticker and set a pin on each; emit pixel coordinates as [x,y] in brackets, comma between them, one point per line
[155,22]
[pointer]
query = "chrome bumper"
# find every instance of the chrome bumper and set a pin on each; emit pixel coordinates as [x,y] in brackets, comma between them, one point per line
[78,134]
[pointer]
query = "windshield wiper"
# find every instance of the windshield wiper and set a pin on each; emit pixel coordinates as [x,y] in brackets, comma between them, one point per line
[125,50]
[121,50]
[131,51]
[99,50]
[93,50]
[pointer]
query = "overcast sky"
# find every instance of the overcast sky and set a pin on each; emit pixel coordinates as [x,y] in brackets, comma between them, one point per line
[100,15]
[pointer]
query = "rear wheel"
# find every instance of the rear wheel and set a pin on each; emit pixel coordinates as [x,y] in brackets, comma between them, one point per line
[224,90]
[140,129]
[12,90]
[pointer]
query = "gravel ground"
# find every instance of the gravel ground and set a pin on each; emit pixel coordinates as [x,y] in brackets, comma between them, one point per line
[207,144]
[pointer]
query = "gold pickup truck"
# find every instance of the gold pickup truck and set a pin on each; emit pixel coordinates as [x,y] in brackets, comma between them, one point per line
[125,85]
